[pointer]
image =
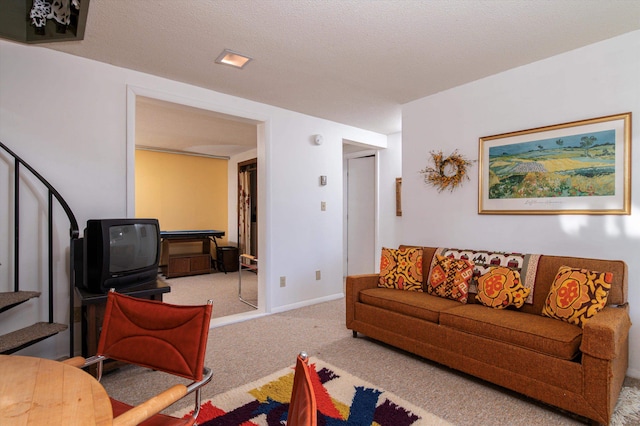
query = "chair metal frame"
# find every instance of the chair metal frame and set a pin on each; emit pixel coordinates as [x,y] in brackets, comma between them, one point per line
[249,262]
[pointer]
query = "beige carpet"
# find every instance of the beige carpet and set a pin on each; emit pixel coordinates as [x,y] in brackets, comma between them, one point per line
[246,351]
[220,287]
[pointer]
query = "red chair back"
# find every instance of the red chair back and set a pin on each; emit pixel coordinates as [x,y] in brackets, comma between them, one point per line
[303,407]
[156,335]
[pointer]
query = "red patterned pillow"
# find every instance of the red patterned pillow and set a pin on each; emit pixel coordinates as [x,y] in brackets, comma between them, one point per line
[450,278]
[501,287]
[401,269]
[577,295]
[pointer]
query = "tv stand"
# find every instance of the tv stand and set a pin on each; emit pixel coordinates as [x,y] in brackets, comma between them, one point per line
[92,315]
[180,265]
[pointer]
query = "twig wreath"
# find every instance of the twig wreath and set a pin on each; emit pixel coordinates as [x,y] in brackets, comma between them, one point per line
[446,172]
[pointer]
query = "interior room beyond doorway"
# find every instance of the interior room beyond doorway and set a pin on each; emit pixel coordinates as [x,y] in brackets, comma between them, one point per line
[185,160]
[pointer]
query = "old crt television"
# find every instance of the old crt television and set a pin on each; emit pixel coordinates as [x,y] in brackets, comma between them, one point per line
[119,253]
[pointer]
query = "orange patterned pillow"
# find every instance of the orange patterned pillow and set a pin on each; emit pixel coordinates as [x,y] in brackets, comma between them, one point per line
[401,269]
[577,295]
[450,278]
[501,287]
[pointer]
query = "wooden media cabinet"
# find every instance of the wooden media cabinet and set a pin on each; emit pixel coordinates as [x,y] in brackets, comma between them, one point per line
[183,264]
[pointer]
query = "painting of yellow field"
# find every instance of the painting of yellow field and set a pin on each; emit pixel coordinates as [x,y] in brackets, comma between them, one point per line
[581,165]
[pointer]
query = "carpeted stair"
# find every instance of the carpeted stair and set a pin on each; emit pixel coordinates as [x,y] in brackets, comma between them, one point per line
[14,298]
[19,339]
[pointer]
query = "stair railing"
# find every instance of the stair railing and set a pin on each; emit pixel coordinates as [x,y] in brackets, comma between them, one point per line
[73,233]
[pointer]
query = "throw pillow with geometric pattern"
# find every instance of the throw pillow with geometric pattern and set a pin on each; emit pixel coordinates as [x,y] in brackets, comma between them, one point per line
[577,295]
[450,278]
[501,287]
[401,269]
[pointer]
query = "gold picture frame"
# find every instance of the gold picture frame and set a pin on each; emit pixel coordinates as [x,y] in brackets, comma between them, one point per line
[581,167]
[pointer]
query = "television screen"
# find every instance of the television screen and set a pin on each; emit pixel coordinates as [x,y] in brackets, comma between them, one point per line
[132,247]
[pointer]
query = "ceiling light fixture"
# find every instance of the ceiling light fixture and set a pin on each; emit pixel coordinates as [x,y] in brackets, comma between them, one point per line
[234,59]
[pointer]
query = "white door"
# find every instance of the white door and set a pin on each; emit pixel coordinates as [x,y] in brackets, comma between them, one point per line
[361,215]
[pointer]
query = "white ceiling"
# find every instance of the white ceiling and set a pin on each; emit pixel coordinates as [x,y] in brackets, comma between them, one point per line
[172,127]
[351,61]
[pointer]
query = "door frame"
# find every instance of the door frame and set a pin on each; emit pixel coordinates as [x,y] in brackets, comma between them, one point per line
[263,124]
[240,166]
[376,195]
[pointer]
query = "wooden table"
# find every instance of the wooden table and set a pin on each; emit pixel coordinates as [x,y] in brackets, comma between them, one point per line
[38,391]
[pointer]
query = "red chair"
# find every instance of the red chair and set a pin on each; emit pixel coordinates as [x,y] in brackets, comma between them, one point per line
[159,336]
[302,408]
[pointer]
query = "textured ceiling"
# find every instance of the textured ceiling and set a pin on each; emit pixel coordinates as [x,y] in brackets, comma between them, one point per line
[350,61]
[168,126]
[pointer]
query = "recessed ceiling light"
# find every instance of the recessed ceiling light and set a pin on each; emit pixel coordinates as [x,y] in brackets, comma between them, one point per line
[235,59]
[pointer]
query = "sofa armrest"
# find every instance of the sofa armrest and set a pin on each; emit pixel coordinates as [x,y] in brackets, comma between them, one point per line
[605,334]
[355,284]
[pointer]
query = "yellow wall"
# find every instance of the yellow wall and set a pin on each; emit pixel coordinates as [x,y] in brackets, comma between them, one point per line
[182,191]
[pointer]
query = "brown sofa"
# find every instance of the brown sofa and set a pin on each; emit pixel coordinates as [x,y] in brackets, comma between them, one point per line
[580,370]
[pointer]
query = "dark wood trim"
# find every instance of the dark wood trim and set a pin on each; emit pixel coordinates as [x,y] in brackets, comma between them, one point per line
[243,164]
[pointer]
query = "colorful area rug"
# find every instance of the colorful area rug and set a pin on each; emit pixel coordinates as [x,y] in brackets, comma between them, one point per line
[342,399]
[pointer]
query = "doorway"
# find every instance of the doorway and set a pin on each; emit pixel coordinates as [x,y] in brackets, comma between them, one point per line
[235,137]
[360,215]
[248,207]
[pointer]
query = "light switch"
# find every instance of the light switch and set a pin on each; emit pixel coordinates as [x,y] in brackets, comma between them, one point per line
[323,205]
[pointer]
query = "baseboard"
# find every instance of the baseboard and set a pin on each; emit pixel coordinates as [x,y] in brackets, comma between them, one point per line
[232,319]
[633,373]
[307,303]
[245,316]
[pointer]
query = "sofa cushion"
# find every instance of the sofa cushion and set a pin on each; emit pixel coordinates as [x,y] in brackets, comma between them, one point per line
[535,332]
[418,305]
[500,287]
[401,269]
[484,260]
[577,295]
[450,278]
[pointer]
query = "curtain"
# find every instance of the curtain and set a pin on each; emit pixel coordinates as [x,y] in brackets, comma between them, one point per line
[244,207]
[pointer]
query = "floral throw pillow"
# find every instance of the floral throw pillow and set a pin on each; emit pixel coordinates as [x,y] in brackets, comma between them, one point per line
[450,278]
[501,287]
[577,295]
[401,269]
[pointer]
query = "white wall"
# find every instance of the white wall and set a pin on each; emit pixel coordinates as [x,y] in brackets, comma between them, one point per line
[598,80]
[67,116]
[390,169]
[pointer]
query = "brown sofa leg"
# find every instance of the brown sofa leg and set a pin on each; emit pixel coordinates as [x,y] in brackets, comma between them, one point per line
[355,333]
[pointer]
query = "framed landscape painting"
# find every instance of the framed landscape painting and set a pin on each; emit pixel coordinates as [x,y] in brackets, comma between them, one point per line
[582,167]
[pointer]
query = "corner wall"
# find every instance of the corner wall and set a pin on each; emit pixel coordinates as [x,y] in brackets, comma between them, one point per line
[67,116]
[594,81]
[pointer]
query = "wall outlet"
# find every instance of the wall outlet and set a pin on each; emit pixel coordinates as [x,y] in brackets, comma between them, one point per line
[318,275]
[323,205]
[283,281]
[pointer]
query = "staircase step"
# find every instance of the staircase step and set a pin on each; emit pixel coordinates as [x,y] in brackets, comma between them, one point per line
[13,298]
[20,339]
